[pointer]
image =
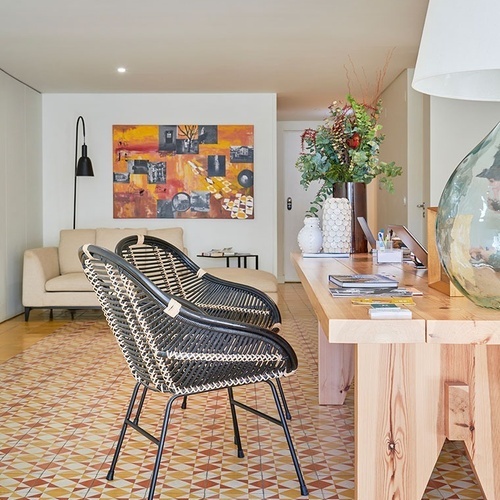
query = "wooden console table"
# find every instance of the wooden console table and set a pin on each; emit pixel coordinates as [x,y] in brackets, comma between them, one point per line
[417,381]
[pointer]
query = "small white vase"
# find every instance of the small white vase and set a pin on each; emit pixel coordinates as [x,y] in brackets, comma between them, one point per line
[310,238]
[337,225]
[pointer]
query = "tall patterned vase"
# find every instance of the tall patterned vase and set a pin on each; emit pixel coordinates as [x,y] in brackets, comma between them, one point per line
[337,225]
[310,238]
[468,224]
[355,192]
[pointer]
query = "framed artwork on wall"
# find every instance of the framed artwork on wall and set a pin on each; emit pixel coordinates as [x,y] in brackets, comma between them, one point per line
[183,171]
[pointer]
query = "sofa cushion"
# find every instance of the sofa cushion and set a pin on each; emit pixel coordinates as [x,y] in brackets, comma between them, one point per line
[70,241]
[69,282]
[109,237]
[262,280]
[174,235]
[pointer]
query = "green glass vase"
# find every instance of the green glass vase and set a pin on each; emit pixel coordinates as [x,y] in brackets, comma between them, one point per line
[468,224]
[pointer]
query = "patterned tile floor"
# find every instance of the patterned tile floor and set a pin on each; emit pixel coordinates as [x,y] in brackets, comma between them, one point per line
[63,398]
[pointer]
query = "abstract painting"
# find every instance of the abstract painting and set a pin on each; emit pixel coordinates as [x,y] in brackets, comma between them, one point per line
[183,171]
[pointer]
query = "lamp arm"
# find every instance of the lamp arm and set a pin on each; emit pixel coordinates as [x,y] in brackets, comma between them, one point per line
[76,163]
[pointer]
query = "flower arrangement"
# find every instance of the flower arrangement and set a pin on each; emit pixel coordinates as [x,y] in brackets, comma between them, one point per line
[345,148]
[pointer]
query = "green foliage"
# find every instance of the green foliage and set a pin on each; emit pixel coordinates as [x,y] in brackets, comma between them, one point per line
[345,148]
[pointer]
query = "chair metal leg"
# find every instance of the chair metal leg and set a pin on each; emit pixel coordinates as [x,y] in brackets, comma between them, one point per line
[140,405]
[135,424]
[285,404]
[161,445]
[184,402]
[300,477]
[237,438]
[130,408]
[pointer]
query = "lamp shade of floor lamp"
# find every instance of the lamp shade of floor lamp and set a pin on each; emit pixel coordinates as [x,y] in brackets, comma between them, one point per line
[83,165]
[459,58]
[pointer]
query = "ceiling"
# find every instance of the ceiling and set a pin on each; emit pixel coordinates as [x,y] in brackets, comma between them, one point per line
[308,52]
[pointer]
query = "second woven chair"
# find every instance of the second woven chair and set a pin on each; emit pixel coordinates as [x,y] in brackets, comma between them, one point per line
[173,272]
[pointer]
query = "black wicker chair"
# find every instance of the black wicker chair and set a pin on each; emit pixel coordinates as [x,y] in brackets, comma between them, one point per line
[173,347]
[173,272]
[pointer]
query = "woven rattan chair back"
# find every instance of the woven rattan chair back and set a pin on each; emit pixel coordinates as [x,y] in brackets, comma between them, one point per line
[115,294]
[174,272]
[169,340]
[172,346]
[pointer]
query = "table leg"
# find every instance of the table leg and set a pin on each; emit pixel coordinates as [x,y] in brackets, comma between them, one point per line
[336,370]
[403,415]
[477,367]
[398,432]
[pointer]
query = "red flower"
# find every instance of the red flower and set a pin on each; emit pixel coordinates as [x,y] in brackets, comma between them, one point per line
[354,141]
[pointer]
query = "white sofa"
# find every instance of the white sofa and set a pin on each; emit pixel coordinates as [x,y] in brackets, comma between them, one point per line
[53,277]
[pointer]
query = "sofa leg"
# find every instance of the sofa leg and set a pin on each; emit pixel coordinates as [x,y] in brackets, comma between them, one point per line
[27,311]
[51,314]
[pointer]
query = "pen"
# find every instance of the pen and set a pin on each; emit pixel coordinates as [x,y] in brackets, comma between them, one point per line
[381,243]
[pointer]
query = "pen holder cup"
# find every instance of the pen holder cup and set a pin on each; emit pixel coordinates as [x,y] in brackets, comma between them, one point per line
[386,252]
[384,246]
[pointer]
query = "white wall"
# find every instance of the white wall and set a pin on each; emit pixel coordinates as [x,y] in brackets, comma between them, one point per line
[20,186]
[403,119]
[456,127]
[392,207]
[95,203]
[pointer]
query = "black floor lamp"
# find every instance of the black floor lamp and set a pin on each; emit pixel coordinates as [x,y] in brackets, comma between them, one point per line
[83,167]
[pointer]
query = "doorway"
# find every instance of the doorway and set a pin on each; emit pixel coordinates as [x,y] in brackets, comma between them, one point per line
[293,199]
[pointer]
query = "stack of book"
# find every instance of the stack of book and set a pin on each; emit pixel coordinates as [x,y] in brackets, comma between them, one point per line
[224,252]
[370,292]
[372,285]
[369,281]
[354,285]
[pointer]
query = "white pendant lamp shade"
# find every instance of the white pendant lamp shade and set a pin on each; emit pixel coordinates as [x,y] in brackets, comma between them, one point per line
[459,55]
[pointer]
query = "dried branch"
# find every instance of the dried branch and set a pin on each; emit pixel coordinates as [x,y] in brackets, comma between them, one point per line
[370,93]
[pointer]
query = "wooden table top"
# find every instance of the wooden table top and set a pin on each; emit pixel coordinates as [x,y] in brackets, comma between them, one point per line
[437,318]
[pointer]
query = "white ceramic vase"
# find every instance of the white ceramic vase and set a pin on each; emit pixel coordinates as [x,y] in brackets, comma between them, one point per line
[337,225]
[310,238]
